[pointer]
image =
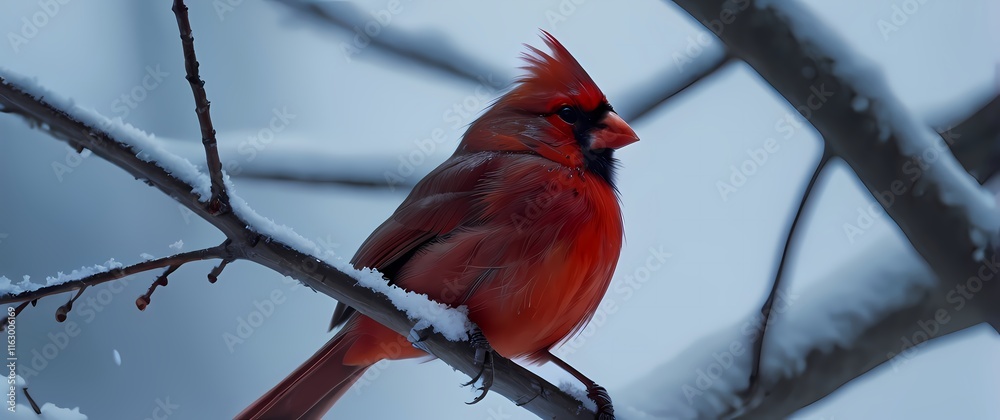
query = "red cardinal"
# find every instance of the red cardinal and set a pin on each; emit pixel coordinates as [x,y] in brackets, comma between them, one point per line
[521,225]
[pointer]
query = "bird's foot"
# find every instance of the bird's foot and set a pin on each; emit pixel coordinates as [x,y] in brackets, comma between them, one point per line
[484,361]
[600,396]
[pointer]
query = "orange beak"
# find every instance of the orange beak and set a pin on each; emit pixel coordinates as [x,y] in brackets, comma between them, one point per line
[612,133]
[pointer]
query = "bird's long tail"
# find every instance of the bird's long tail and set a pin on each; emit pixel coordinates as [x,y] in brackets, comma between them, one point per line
[310,391]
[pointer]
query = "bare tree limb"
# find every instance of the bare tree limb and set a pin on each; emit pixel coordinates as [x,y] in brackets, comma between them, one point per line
[765,310]
[301,162]
[426,49]
[646,97]
[514,382]
[220,197]
[219,201]
[976,140]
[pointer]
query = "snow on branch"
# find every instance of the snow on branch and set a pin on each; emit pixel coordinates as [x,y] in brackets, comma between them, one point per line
[883,305]
[97,274]
[950,220]
[31,411]
[258,239]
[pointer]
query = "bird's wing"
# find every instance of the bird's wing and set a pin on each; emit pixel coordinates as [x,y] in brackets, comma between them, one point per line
[443,200]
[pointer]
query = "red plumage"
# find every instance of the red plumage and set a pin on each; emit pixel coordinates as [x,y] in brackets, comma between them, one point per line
[521,224]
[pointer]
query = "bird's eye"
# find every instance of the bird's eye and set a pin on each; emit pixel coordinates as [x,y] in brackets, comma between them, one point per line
[568,114]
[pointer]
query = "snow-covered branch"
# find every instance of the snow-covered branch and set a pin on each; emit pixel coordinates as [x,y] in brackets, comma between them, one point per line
[948,218]
[260,240]
[883,305]
[27,290]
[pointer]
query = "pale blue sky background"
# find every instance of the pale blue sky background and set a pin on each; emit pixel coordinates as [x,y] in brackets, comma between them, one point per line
[260,57]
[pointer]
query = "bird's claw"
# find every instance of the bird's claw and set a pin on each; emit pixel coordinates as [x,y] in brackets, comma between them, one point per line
[600,396]
[484,361]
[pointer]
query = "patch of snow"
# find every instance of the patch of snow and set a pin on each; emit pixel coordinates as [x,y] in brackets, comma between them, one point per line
[177,245]
[145,145]
[23,410]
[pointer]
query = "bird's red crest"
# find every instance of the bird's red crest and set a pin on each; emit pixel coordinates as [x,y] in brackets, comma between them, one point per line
[554,77]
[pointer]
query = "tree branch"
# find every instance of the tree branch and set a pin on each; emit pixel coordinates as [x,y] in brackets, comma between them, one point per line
[765,310]
[216,252]
[948,218]
[976,140]
[220,198]
[646,97]
[888,302]
[848,323]
[425,49]
[882,293]
[256,239]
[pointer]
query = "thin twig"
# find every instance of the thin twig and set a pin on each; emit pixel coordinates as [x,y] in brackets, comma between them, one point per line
[213,276]
[765,310]
[220,251]
[143,301]
[34,405]
[220,197]
[63,311]
[641,102]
